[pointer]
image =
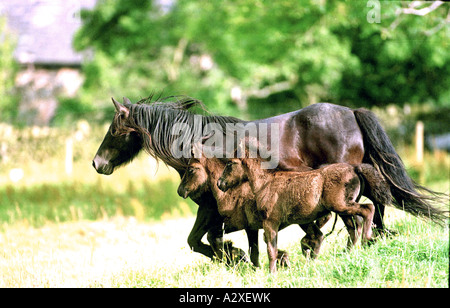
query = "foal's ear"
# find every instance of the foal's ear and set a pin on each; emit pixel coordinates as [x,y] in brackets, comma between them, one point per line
[121,109]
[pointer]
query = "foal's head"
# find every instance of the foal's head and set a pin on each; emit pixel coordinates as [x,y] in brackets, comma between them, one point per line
[233,174]
[194,180]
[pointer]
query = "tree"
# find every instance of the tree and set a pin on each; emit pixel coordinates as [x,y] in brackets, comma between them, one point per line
[258,56]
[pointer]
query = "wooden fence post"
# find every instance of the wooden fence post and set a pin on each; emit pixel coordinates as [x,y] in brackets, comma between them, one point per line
[419,142]
[419,151]
[69,156]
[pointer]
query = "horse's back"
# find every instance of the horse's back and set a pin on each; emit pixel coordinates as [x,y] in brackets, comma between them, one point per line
[318,134]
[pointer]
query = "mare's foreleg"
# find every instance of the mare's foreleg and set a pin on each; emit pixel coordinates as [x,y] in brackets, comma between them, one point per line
[215,236]
[224,251]
[202,224]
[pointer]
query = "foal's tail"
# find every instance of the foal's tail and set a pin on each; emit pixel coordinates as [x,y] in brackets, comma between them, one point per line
[375,185]
[408,195]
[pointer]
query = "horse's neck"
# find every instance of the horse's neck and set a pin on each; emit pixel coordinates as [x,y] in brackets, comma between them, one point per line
[158,121]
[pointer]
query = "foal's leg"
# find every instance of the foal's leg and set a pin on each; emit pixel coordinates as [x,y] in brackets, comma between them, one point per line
[270,237]
[283,258]
[215,238]
[252,236]
[369,208]
[354,227]
[366,211]
[312,241]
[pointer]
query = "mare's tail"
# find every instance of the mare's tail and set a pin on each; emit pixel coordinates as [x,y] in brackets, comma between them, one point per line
[375,185]
[408,195]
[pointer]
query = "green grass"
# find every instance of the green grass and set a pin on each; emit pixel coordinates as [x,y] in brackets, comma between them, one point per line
[71,201]
[418,257]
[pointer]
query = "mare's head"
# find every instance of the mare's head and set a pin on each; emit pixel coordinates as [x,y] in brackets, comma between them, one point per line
[233,174]
[122,142]
[194,180]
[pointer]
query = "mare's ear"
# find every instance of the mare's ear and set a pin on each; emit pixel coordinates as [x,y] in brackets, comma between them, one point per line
[252,144]
[121,109]
[189,102]
[196,150]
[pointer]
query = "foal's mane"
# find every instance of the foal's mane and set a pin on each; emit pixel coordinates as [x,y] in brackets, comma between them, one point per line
[153,120]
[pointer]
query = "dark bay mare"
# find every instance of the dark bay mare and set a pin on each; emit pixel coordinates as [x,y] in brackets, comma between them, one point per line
[315,135]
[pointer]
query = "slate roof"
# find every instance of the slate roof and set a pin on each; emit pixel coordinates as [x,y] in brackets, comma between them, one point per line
[44,29]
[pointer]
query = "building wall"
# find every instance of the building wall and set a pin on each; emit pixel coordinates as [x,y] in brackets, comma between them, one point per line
[40,89]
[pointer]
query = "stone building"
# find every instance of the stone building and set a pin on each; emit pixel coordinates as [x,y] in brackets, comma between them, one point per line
[49,67]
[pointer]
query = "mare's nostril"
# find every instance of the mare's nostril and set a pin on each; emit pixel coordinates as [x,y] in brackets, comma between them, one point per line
[102,166]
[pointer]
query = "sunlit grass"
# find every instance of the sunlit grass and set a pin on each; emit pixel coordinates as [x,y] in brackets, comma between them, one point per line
[418,257]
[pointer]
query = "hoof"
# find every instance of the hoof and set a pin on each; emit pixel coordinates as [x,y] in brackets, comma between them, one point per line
[233,255]
[283,259]
[383,232]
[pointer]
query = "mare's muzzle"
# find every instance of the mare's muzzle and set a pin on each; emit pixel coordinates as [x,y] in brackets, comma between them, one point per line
[102,166]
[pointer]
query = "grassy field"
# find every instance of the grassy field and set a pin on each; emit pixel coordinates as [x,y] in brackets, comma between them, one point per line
[417,259]
[123,252]
[130,230]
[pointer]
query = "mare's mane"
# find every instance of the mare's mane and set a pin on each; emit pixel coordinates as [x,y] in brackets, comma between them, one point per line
[154,119]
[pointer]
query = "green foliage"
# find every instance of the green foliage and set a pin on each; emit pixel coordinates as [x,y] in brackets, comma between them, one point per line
[71,110]
[316,51]
[8,69]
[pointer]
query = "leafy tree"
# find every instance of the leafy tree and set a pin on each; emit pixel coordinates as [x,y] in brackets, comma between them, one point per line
[267,57]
